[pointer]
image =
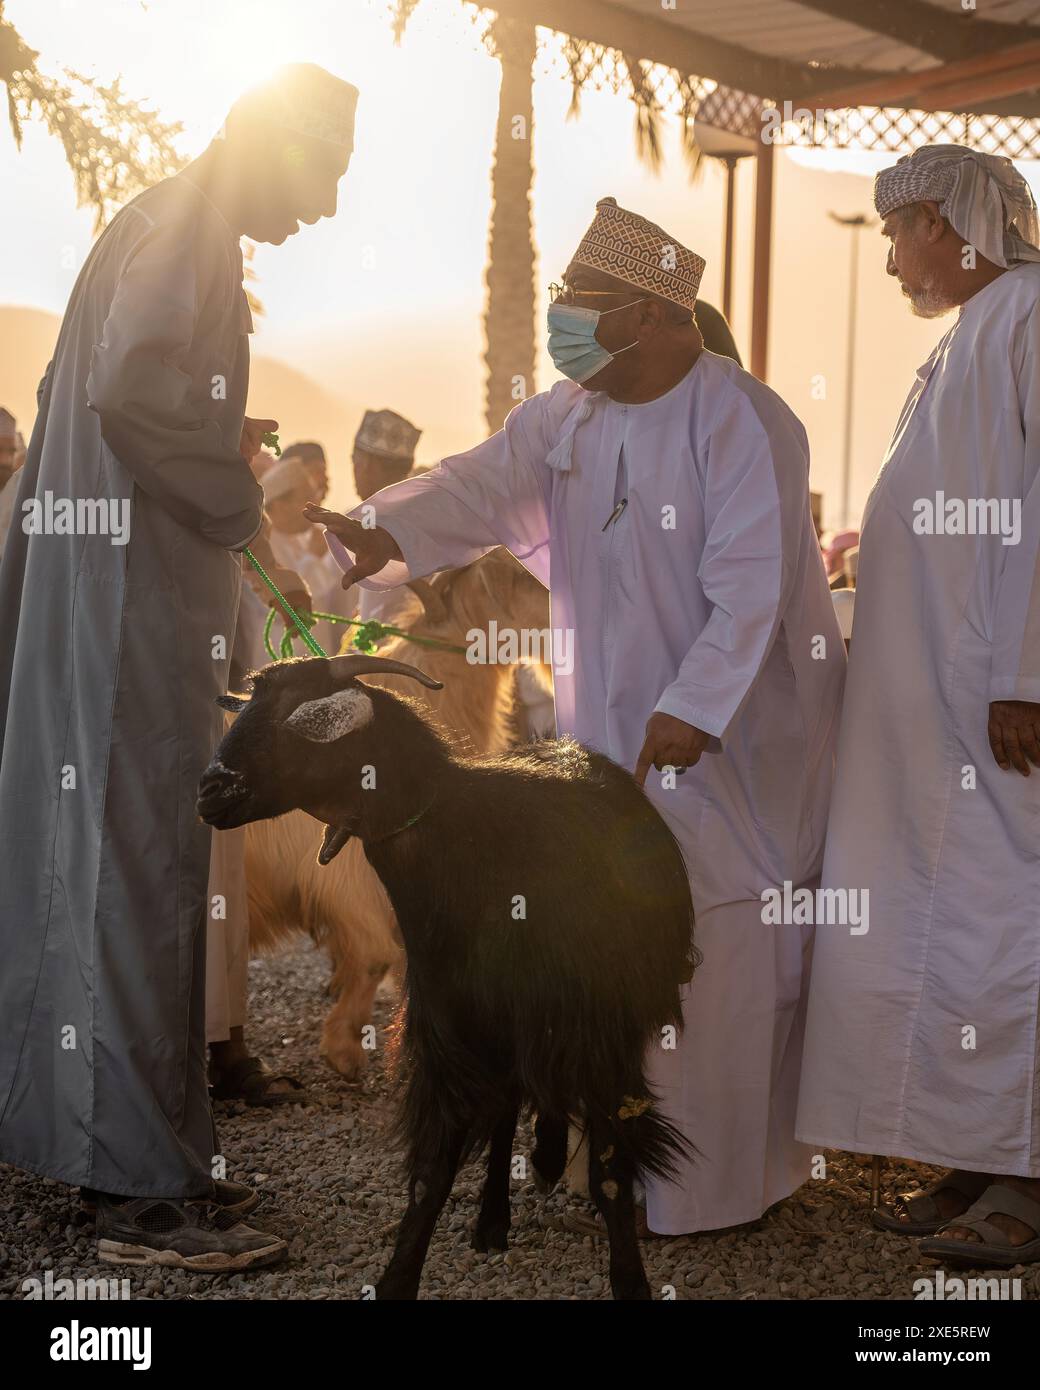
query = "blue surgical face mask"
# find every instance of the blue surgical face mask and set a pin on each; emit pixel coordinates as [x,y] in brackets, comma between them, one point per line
[572,340]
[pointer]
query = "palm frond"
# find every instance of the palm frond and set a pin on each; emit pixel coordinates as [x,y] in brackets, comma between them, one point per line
[113,145]
[648,112]
[15,57]
[575,55]
[690,98]
[401,12]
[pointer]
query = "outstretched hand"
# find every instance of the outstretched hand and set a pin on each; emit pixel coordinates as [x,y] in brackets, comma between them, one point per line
[371,546]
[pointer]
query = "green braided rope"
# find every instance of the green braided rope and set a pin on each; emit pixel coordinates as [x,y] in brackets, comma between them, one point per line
[309,641]
[365,639]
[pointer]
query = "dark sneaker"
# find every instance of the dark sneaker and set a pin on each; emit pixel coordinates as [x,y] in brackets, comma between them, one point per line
[235,1197]
[198,1235]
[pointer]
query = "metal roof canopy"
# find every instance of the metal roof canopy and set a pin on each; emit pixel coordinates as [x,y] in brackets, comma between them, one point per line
[867,74]
[928,54]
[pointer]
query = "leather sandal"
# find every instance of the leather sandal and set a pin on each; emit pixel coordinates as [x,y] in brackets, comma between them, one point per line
[250,1079]
[921,1208]
[994,1249]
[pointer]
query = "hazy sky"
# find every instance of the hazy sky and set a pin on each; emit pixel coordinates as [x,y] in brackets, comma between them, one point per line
[382,306]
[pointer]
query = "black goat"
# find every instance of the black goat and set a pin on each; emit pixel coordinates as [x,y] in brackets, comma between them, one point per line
[546,915]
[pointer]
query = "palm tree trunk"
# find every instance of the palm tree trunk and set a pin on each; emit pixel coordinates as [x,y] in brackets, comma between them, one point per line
[509,317]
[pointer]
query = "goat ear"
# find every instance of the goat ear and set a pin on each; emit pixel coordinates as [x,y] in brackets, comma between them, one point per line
[235,703]
[323,721]
[336,836]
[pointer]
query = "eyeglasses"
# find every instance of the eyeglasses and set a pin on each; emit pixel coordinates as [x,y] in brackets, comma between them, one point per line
[563,294]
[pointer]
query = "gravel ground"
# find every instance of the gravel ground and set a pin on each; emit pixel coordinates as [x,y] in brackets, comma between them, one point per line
[333,1188]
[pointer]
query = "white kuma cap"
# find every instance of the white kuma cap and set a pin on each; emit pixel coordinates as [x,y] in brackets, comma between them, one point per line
[304,98]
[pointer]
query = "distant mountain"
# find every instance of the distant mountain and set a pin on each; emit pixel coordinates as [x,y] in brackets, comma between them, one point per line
[27,338]
[304,410]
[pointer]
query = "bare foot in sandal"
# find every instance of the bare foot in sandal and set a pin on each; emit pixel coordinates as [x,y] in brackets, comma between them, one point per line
[1019,1232]
[923,1212]
[236,1075]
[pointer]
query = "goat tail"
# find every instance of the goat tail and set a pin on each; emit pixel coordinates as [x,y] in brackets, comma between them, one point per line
[653,1143]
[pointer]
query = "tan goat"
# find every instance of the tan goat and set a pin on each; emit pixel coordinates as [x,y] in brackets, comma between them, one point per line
[343,906]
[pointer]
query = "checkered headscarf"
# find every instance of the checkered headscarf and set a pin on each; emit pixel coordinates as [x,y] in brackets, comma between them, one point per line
[982,196]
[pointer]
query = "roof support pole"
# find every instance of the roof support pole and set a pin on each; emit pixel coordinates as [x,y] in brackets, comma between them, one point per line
[730,161]
[762,259]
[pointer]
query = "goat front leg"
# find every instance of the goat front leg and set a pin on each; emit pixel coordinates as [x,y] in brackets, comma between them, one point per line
[341,1035]
[428,1188]
[610,1183]
[492,1229]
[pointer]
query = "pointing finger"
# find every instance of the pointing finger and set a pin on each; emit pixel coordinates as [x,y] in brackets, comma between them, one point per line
[361,569]
[643,763]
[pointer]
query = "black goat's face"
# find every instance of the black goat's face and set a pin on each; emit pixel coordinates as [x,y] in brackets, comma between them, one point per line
[306,729]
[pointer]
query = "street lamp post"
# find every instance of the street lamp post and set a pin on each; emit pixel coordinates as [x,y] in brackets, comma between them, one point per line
[856,222]
[727,147]
[730,161]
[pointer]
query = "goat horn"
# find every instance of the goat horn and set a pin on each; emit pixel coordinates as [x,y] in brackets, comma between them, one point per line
[359,665]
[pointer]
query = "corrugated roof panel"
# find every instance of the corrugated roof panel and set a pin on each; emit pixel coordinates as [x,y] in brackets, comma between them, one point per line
[753,21]
[789,30]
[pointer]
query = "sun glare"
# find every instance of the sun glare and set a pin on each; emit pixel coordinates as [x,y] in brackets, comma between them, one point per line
[153,45]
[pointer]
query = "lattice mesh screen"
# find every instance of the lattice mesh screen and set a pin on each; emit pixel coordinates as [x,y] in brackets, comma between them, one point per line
[666,91]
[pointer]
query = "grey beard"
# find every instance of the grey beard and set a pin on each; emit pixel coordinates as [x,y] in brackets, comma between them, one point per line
[929,303]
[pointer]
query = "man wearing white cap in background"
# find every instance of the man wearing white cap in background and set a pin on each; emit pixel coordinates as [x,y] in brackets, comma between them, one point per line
[923,1036]
[288,483]
[288,487]
[663,494]
[108,681]
[384,454]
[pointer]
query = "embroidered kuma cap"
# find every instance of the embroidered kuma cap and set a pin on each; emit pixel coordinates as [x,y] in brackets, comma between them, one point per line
[387,435]
[631,248]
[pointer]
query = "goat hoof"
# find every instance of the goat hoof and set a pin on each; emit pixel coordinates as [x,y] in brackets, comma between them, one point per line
[543,1185]
[345,1064]
[490,1240]
[630,1288]
[396,1291]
